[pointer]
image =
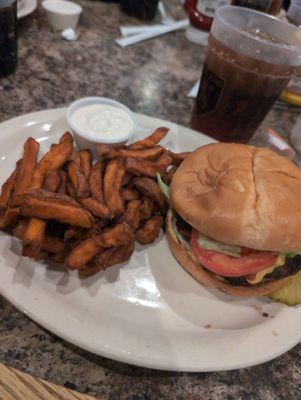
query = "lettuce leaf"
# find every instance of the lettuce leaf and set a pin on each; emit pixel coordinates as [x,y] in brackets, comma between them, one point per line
[291,253]
[171,226]
[211,244]
[163,186]
[290,294]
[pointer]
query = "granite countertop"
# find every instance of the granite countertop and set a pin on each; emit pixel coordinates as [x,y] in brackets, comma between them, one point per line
[151,78]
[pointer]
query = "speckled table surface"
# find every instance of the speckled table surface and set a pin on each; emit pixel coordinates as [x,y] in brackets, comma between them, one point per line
[151,78]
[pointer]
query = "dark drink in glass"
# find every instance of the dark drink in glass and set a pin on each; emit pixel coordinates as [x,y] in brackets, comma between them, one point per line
[269,6]
[248,65]
[143,9]
[8,36]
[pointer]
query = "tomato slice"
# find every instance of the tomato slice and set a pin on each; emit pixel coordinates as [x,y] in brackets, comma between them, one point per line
[225,265]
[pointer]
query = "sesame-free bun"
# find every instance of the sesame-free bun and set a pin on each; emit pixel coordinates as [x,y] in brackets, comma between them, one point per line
[241,195]
[209,279]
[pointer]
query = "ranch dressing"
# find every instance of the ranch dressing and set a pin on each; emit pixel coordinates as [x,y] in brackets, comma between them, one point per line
[102,121]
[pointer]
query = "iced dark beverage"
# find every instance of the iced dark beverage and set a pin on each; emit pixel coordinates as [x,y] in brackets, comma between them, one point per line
[236,92]
[269,6]
[245,72]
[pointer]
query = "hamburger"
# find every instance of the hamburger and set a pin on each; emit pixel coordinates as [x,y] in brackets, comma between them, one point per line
[235,221]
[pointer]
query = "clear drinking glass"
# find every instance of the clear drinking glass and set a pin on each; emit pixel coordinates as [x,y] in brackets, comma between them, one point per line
[251,58]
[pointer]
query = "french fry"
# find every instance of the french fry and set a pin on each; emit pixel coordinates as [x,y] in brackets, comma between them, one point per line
[59,257]
[95,181]
[165,160]
[9,217]
[29,250]
[129,194]
[70,233]
[65,214]
[9,185]
[112,185]
[89,270]
[101,224]
[107,151]
[27,167]
[66,137]
[79,236]
[178,157]
[126,179]
[87,250]
[92,267]
[54,245]
[78,179]
[97,208]
[20,229]
[63,185]
[150,230]
[151,140]
[118,235]
[62,210]
[51,244]
[150,188]
[132,214]
[148,208]
[52,181]
[33,238]
[76,158]
[143,167]
[71,190]
[51,161]
[46,195]
[115,255]
[107,258]
[86,162]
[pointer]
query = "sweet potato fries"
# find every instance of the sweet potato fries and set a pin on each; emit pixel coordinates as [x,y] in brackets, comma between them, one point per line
[83,213]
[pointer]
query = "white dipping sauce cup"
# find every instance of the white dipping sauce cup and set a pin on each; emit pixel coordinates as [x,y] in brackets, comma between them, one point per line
[85,140]
[62,14]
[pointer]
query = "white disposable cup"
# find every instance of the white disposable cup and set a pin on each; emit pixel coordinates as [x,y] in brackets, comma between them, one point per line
[87,141]
[62,14]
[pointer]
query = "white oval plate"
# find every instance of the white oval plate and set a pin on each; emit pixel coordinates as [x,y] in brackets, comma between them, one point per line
[148,312]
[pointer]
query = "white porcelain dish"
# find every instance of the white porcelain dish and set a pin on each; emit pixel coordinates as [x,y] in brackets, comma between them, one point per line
[62,14]
[86,140]
[26,7]
[148,312]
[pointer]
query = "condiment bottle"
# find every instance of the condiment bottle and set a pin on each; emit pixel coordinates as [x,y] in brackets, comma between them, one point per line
[201,12]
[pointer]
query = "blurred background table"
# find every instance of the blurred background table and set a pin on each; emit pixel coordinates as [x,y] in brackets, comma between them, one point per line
[152,78]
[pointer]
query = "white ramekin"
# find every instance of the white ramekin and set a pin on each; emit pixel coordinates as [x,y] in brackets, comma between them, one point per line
[86,141]
[62,14]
